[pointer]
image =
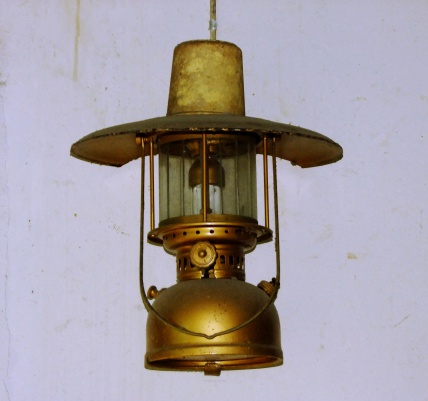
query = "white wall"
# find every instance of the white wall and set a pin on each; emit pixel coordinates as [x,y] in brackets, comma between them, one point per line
[354,298]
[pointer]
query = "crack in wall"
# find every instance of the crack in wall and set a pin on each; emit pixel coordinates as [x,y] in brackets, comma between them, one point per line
[76,41]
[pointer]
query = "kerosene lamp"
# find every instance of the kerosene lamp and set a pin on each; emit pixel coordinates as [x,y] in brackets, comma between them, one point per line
[211,319]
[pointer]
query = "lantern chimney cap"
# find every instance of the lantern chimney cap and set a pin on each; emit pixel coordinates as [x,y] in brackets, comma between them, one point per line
[206,77]
[206,95]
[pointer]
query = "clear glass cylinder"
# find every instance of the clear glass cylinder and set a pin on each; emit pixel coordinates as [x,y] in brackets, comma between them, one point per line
[230,173]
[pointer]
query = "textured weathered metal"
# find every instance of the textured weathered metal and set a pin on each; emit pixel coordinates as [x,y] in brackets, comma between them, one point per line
[116,146]
[209,306]
[232,240]
[206,77]
[210,95]
[203,254]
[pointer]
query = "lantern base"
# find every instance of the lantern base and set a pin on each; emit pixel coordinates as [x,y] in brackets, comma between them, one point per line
[210,306]
[225,358]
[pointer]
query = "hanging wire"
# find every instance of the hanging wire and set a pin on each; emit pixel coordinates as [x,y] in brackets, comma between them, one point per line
[213,20]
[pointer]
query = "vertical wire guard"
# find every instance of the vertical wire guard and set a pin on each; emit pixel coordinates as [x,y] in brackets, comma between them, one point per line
[266,181]
[205,198]
[249,182]
[276,215]
[152,188]
[236,178]
[182,181]
[222,179]
[141,261]
[168,209]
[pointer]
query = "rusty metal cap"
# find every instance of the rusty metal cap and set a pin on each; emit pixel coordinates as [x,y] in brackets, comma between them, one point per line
[206,77]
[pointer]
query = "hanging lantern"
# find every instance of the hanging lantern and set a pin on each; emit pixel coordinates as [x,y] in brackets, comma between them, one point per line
[211,320]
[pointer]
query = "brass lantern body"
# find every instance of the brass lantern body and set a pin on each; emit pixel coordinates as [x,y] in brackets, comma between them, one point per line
[210,306]
[211,320]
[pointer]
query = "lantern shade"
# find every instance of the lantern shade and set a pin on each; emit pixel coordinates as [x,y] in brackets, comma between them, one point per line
[208,306]
[116,146]
[206,95]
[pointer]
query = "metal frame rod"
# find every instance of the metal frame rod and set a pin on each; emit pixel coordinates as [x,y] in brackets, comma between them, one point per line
[205,181]
[152,188]
[142,206]
[276,215]
[266,180]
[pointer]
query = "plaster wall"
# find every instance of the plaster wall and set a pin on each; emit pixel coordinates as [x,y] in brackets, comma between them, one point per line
[354,297]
